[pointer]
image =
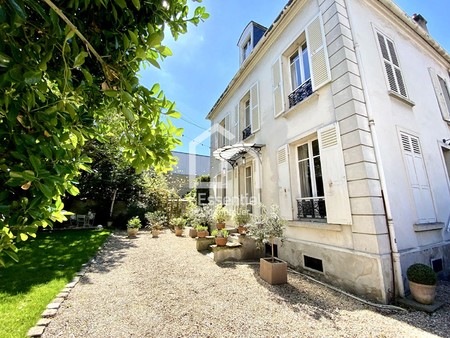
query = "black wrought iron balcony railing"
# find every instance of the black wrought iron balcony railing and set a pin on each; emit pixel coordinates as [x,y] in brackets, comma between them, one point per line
[311,208]
[246,132]
[300,93]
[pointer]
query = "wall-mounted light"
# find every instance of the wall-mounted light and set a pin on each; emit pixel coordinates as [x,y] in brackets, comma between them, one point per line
[446,141]
[243,160]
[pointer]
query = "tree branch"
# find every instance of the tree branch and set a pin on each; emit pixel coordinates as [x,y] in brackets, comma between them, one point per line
[108,72]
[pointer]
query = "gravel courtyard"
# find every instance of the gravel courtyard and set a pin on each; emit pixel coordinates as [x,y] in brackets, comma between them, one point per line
[162,287]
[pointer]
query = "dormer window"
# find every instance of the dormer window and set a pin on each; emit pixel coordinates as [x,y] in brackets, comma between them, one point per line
[246,49]
[249,38]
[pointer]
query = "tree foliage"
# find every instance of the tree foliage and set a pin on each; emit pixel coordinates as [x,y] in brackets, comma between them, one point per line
[68,74]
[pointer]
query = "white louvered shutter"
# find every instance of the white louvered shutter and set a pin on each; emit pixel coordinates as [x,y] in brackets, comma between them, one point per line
[418,178]
[277,88]
[236,132]
[236,186]
[227,129]
[318,55]
[391,65]
[442,94]
[284,183]
[337,199]
[254,106]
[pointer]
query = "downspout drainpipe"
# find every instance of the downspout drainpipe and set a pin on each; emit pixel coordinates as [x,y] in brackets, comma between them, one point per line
[397,269]
[395,256]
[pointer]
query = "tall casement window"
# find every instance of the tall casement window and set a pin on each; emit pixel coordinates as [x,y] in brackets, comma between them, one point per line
[247,116]
[441,89]
[248,186]
[418,178]
[249,113]
[299,67]
[316,161]
[391,65]
[311,204]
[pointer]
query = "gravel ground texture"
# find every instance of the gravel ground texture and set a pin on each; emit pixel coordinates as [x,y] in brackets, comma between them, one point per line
[163,287]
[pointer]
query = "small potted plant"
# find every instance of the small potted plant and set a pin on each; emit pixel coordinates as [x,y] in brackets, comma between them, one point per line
[221,236]
[179,224]
[133,226]
[202,231]
[422,283]
[270,226]
[242,217]
[155,222]
[221,215]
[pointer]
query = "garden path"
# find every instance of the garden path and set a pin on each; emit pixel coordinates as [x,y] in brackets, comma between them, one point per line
[163,287]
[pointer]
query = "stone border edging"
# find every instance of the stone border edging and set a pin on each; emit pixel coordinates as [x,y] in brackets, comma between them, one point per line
[52,308]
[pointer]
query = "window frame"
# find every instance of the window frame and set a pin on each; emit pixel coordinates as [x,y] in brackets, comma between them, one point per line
[394,67]
[301,58]
[312,169]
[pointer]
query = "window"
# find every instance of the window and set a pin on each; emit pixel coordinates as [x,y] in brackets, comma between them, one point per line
[246,50]
[299,67]
[248,187]
[249,112]
[311,204]
[307,68]
[247,120]
[418,178]
[391,65]
[445,92]
[441,90]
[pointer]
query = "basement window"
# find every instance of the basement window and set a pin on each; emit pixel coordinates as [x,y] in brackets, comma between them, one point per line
[437,265]
[313,263]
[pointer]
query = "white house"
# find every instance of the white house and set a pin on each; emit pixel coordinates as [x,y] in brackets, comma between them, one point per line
[340,114]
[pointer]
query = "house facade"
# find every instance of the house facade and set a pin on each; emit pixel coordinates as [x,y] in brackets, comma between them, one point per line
[340,114]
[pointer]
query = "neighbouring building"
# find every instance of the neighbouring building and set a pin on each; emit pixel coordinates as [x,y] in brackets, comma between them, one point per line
[188,168]
[340,113]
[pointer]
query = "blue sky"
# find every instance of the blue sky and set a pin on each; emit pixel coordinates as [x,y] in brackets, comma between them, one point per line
[206,58]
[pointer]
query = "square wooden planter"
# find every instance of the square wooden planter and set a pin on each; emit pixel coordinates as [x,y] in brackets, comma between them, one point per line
[273,272]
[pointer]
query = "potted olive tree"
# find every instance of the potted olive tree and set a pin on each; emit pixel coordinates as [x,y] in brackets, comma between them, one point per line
[422,283]
[133,226]
[221,215]
[266,229]
[242,217]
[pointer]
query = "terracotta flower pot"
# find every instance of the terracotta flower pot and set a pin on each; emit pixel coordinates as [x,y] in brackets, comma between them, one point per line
[155,233]
[132,232]
[221,241]
[192,233]
[178,231]
[242,229]
[202,234]
[220,226]
[422,293]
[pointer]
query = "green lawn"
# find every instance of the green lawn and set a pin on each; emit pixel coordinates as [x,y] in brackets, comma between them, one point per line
[46,265]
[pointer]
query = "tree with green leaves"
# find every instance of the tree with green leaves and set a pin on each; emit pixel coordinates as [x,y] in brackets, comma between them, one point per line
[68,74]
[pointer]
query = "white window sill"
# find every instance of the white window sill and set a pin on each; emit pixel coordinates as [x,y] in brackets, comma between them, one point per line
[314,96]
[401,98]
[428,227]
[314,225]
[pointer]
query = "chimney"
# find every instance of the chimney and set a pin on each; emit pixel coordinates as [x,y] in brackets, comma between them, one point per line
[420,21]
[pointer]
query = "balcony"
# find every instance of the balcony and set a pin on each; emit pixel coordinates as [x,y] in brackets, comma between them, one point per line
[246,132]
[300,93]
[311,208]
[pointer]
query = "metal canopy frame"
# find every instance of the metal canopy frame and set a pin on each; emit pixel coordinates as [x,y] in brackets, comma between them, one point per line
[233,153]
